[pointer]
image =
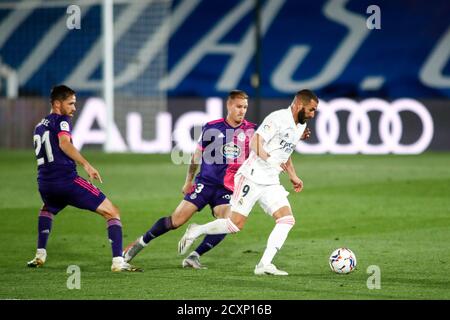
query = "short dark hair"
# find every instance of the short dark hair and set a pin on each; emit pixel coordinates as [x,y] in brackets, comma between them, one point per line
[61,93]
[237,94]
[306,96]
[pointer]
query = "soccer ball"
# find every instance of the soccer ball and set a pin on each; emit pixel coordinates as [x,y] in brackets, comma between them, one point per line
[342,260]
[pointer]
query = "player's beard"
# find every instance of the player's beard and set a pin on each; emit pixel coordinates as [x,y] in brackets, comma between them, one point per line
[301,117]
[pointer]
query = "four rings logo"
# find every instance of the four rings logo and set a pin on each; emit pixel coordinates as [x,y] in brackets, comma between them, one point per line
[359,130]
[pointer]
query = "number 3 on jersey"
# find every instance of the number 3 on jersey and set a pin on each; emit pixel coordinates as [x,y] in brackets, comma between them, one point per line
[38,142]
[199,187]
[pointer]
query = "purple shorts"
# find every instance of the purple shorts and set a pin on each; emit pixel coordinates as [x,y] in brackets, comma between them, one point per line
[78,193]
[205,193]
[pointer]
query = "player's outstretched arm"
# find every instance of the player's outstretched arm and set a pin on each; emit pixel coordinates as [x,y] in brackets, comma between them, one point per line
[295,180]
[192,170]
[256,144]
[69,149]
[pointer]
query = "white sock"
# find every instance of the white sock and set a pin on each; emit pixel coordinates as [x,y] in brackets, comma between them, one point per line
[277,238]
[117,260]
[218,226]
[41,254]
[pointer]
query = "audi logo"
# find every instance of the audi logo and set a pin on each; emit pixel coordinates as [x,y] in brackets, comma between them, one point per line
[390,127]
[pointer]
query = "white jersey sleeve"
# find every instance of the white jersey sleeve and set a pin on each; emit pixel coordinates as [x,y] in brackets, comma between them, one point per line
[268,127]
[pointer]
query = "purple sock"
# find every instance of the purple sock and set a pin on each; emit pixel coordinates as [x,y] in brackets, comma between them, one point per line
[44,227]
[160,227]
[209,242]
[115,236]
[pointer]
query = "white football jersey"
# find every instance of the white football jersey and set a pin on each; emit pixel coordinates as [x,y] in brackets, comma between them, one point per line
[281,135]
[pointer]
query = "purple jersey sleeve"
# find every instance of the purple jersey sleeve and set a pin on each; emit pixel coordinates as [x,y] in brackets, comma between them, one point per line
[63,126]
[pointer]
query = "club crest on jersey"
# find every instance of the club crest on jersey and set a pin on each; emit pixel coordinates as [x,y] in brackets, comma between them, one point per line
[231,151]
[64,125]
[241,137]
[267,128]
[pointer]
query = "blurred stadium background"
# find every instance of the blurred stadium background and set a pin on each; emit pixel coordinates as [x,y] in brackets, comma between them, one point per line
[169,57]
[383,78]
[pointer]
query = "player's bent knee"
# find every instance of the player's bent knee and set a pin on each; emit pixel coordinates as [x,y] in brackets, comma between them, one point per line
[108,215]
[236,223]
[108,210]
[281,212]
[222,212]
[176,224]
[178,219]
[240,226]
[181,216]
[115,213]
[232,226]
[289,219]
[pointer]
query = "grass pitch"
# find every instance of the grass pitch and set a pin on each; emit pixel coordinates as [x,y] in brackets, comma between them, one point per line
[392,211]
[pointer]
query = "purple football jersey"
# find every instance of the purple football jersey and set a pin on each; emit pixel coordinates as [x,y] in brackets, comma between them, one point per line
[224,150]
[53,164]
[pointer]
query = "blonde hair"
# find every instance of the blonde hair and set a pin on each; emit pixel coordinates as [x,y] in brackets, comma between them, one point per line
[237,94]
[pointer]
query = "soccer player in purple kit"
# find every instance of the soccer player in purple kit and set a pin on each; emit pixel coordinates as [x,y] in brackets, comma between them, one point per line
[58,181]
[223,147]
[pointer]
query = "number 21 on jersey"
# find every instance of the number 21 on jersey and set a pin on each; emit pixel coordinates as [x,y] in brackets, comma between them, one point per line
[38,142]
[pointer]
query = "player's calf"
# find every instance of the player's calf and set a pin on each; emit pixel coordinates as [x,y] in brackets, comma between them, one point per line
[159,228]
[182,214]
[114,226]
[274,243]
[193,231]
[45,221]
[108,210]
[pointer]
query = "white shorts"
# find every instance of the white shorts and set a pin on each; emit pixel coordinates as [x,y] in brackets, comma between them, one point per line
[246,193]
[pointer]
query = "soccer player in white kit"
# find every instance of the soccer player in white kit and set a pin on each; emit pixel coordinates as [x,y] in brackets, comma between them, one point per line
[257,180]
